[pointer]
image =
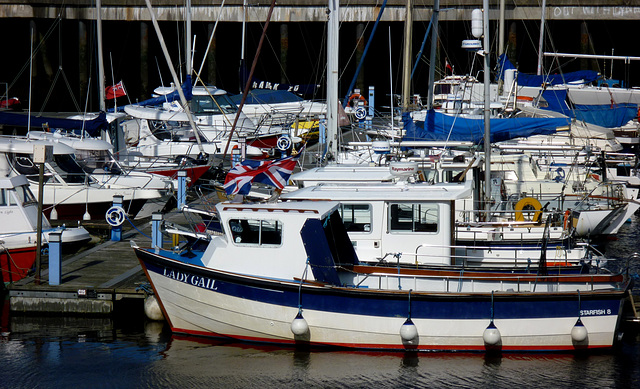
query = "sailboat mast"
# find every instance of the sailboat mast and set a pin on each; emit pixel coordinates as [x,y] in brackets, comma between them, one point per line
[101,88]
[188,38]
[332,77]
[541,40]
[487,110]
[432,53]
[406,69]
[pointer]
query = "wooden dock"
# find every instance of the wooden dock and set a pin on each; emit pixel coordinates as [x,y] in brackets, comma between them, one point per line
[93,281]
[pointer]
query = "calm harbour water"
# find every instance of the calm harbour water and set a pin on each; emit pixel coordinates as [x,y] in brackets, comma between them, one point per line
[57,352]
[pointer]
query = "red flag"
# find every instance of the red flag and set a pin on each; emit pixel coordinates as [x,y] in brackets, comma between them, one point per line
[113,91]
[447,65]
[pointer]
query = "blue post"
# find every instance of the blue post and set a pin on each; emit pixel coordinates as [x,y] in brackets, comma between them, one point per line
[322,127]
[156,232]
[55,252]
[182,188]
[372,100]
[117,219]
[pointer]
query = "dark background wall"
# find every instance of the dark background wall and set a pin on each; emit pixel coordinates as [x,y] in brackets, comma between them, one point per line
[58,63]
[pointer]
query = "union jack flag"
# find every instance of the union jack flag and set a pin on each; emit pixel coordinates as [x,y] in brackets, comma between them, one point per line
[275,173]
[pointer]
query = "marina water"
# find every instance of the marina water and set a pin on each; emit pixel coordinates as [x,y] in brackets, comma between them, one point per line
[129,351]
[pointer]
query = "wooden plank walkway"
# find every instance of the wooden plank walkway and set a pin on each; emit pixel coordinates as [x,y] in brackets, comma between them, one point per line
[92,281]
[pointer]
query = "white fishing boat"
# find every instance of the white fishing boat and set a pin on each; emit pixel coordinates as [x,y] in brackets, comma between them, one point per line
[286,273]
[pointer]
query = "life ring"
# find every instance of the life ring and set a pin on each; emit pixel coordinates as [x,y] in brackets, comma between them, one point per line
[354,98]
[115,216]
[528,205]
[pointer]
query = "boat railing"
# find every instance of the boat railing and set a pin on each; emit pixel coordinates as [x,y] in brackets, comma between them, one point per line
[505,282]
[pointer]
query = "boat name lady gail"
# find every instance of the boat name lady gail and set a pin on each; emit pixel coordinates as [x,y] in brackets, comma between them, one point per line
[195,280]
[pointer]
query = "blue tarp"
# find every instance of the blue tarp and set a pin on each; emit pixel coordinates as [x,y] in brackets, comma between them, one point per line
[609,116]
[266,96]
[92,127]
[441,127]
[175,95]
[524,79]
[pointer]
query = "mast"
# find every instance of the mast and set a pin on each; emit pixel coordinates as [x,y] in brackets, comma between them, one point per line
[188,38]
[101,90]
[332,77]
[183,99]
[432,54]
[487,110]
[406,72]
[541,40]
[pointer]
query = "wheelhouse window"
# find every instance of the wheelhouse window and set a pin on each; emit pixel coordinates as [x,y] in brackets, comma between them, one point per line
[413,217]
[356,217]
[256,232]
[25,196]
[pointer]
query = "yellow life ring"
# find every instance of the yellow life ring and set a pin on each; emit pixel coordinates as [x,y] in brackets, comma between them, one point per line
[527,206]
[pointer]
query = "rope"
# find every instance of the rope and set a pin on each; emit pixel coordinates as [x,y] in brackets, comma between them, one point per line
[135,227]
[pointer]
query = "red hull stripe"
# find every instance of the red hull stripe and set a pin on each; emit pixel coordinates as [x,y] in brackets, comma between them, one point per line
[382,346]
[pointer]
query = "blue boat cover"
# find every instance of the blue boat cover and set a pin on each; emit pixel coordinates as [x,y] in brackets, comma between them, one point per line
[605,115]
[609,116]
[441,127]
[267,96]
[92,127]
[524,79]
[187,89]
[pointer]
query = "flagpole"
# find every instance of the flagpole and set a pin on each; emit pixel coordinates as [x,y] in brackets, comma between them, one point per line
[103,103]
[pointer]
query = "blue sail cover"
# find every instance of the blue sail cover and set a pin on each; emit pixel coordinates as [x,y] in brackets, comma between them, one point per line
[605,115]
[187,89]
[266,96]
[609,116]
[441,127]
[524,79]
[92,127]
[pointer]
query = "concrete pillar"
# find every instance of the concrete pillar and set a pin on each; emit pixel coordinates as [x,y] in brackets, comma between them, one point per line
[585,48]
[55,254]
[284,52]
[83,59]
[512,53]
[144,61]
[360,44]
[211,59]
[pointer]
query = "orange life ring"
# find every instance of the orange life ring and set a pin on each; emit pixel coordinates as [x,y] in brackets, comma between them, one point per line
[354,98]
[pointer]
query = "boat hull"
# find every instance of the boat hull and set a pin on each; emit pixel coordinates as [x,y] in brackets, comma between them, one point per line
[15,263]
[203,302]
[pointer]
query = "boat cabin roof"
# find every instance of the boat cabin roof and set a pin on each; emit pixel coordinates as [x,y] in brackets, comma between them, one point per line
[344,173]
[25,146]
[13,182]
[402,191]
[90,144]
[196,90]
[310,209]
